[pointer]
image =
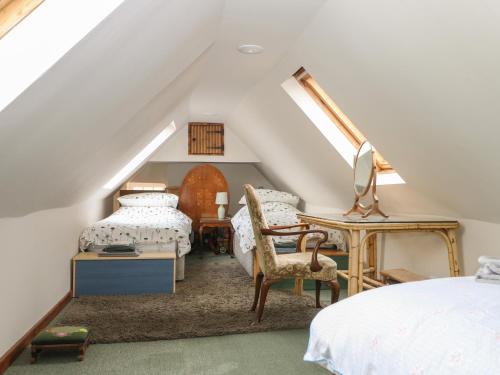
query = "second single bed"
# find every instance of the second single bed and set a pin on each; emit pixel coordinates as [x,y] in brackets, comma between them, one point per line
[150,221]
[279,208]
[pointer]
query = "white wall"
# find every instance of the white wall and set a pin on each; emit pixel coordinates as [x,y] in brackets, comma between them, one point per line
[35,264]
[477,238]
[273,24]
[426,253]
[421,89]
[176,149]
[151,172]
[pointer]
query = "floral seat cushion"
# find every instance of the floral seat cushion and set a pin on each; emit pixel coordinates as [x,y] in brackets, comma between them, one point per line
[299,265]
[61,335]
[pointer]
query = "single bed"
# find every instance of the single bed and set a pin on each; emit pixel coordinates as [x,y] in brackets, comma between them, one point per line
[149,220]
[279,208]
[439,326]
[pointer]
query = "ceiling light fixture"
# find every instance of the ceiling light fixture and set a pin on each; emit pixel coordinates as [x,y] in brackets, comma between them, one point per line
[250,49]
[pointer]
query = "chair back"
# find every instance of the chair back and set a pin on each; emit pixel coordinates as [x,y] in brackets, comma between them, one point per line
[266,253]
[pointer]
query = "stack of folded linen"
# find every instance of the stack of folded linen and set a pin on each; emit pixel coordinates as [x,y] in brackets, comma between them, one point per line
[489,270]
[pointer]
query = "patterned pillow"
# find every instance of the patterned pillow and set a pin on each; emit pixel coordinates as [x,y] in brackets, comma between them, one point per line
[268,195]
[149,200]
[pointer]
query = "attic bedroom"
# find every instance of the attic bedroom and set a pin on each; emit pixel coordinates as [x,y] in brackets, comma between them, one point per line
[249,187]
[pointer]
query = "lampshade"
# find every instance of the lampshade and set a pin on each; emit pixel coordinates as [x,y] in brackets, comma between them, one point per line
[221,198]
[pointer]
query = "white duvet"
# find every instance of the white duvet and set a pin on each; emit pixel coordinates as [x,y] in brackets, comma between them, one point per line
[147,226]
[276,213]
[440,326]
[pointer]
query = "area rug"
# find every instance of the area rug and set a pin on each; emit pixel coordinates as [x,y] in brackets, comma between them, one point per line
[213,300]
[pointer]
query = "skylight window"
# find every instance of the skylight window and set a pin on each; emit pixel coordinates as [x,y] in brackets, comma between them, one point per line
[32,46]
[334,124]
[140,157]
[14,11]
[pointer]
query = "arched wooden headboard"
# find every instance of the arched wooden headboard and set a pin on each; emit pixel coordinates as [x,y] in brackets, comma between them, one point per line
[197,192]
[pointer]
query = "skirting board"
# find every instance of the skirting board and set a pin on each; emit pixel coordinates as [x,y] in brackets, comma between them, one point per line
[10,356]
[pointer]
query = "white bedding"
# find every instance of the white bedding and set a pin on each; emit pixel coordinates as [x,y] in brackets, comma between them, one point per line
[145,226]
[440,326]
[276,213]
[245,259]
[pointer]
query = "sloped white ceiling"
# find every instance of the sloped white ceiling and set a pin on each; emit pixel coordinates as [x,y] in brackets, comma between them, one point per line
[50,135]
[85,118]
[419,78]
[229,74]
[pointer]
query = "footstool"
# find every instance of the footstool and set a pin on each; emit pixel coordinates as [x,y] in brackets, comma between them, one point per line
[61,338]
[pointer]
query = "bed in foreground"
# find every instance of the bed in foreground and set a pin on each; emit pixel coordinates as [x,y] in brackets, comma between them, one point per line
[148,220]
[439,326]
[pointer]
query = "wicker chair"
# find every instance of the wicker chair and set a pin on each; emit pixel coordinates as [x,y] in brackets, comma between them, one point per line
[275,267]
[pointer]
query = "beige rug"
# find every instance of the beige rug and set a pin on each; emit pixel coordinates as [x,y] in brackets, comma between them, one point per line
[213,300]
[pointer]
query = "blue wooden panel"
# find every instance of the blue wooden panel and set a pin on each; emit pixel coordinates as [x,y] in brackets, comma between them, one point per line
[114,277]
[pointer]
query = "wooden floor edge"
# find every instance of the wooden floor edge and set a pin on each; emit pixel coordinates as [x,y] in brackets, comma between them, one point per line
[10,356]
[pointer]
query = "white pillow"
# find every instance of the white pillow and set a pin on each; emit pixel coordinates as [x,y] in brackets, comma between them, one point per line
[268,195]
[149,200]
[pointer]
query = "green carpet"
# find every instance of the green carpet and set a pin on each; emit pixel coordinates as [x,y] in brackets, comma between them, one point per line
[273,353]
[276,353]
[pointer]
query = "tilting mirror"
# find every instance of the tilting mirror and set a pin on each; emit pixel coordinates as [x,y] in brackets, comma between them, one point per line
[365,179]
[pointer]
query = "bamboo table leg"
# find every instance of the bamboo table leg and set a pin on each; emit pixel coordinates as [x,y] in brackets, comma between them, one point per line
[372,255]
[353,263]
[453,253]
[363,245]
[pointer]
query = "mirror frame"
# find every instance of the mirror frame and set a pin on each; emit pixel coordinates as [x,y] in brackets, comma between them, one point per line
[372,171]
[373,207]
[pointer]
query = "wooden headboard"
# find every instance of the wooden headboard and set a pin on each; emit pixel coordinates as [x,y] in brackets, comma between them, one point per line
[121,193]
[197,192]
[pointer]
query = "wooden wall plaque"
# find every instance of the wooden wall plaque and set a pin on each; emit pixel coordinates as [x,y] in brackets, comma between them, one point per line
[205,138]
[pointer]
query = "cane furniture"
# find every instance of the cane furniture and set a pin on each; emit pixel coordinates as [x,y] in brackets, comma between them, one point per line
[400,275]
[362,237]
[365,179]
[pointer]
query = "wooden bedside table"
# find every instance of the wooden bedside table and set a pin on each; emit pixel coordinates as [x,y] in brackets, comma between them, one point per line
[213,222]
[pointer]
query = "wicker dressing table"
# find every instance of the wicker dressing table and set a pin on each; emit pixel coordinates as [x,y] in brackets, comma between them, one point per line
[362,237]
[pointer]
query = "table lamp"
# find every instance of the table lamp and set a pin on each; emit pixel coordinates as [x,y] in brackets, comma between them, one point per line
[221,200]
